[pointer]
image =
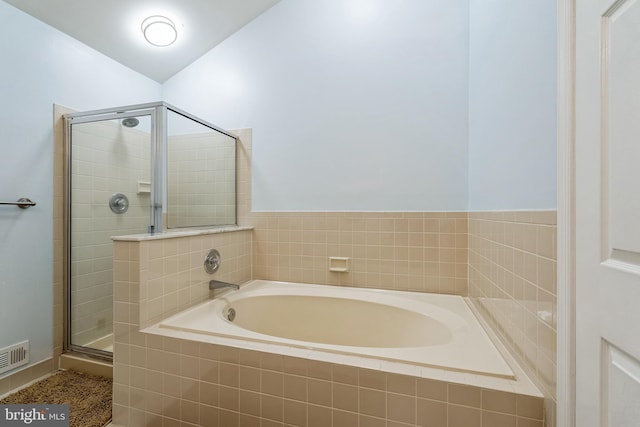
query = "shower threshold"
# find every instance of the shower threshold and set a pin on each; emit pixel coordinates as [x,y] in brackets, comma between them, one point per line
[83,363]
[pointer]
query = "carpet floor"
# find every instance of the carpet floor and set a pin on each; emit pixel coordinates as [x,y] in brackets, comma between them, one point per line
[88,396]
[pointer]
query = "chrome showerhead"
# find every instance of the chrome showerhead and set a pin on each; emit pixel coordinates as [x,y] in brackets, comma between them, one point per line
[130,122]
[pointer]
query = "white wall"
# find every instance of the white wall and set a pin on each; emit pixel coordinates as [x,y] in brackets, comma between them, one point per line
[40,67]
[512,98]
[354,104]
[363,105]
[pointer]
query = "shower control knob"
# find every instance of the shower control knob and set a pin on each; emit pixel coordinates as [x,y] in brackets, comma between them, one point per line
[212,261]
[119,203]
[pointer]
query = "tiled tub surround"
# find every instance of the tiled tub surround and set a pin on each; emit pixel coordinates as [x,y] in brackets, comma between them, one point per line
[411,251]
[169,274]
[512,281]
[173,379]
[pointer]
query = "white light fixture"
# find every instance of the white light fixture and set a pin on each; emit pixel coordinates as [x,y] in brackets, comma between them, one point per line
[159,30]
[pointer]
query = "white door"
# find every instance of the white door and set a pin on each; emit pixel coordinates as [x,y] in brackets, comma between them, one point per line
[608,213]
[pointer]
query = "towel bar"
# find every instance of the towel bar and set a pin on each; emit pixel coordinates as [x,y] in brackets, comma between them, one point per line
[22,203]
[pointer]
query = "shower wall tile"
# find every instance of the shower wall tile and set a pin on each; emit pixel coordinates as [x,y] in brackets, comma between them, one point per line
[107,158]
[201,179]
[512,281]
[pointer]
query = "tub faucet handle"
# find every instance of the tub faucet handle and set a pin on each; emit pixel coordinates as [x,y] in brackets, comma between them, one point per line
[212,261]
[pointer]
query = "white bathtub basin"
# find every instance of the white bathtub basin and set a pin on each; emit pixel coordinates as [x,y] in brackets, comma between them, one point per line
[424,329]
[337,321]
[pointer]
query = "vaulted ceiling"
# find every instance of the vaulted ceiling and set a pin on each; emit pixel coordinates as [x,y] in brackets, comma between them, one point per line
[113,27]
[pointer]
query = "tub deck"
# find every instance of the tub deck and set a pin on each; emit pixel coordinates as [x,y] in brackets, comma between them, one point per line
[462,346]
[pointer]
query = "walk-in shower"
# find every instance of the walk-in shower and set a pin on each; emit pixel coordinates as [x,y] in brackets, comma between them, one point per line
[132,170]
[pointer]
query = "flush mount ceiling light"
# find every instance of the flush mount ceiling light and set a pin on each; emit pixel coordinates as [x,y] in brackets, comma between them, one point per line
[159,30]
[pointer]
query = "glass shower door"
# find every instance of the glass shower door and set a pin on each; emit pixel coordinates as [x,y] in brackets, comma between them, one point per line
[109,195]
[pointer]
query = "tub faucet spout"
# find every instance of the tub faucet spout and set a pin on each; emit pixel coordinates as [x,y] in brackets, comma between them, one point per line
[217,284]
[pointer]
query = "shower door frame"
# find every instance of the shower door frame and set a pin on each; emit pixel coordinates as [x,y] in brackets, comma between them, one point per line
[159,143]
[157,114]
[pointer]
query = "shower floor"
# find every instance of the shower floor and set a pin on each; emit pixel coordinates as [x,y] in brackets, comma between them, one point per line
[105,343]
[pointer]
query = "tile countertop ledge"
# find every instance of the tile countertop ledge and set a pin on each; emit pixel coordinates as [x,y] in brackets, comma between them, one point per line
[180,233]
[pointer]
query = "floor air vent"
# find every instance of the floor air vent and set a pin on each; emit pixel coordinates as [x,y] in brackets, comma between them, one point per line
[13,356]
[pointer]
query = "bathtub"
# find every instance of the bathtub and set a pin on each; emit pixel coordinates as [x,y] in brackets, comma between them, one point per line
[431,330]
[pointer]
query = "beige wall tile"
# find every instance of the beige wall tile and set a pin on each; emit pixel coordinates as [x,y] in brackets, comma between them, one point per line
[250,403]
[344,419]
[345,374]
[295,387]
[431,413]
[272,407]
[512,281]
[290,365]
[190,412]
[372,422]
[208,416]
[401,408]
[372,402]
[431,389]
[319,416]
[272,383]
[249,378]
[401,384]
[251,421]
[528,422]
[394,244]
[295,413]
[529,407]
[372,379]
[229,374]
[463,416]
[464,395]
[319,392]
[319,370]
[228,418]
[229,398]
[345,397]
[209,393]
[209,370]
[499,401]
[495,419]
